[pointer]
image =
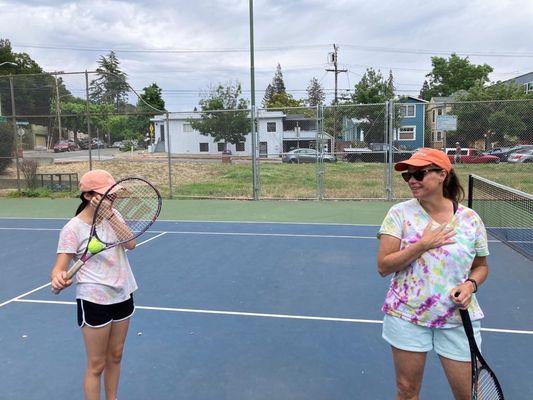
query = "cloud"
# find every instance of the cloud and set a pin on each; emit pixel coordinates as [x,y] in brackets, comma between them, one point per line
[185,46]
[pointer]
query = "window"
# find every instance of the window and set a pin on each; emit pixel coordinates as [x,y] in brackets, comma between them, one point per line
[263,149]
[162,132]
[271,127]
[187,128]
[407,111]
[438,136]
[204,146]
[221,146]
[433,113]
[439,112]
[407,133]
[529,87]
[239,146]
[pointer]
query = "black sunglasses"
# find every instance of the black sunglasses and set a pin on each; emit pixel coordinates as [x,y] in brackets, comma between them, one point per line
[418,174]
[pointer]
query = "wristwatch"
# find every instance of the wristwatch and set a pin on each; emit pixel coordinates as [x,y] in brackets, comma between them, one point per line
[474,283]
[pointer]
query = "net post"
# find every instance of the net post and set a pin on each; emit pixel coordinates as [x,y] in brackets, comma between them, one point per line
[470,190]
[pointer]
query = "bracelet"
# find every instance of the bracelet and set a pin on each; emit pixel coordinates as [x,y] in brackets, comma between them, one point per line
[474,283]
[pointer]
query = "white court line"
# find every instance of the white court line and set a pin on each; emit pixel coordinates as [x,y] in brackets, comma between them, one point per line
[214,222]
[265,315]
[19,297]
[249,234]
[220,233]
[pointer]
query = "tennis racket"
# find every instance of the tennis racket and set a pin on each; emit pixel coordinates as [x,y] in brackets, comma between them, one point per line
[125,211]
[485,385]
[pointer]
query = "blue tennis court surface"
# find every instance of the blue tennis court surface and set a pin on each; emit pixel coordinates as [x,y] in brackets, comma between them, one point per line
[242,311]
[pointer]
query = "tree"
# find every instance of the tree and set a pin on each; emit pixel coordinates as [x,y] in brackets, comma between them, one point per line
[150,103]
[277,87]
[269,92]
[493,114]
[32,92]
[283,100]
[315,93]
[366,107]
[277,82]
[456,73]
[6,145]
[111,86]
[224,115]
[424,92]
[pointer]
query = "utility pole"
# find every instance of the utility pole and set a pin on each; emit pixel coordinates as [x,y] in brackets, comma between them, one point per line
[333,58]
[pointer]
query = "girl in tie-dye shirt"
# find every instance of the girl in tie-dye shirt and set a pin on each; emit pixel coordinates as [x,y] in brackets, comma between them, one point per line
[436,250]
[105,284]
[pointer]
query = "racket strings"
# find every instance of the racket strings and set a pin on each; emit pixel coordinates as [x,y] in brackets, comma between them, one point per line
[136,204]
[487,387]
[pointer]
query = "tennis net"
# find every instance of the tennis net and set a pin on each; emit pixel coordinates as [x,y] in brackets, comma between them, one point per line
[506,212]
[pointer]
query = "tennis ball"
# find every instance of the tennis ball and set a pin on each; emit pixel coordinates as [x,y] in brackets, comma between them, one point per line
[95,246]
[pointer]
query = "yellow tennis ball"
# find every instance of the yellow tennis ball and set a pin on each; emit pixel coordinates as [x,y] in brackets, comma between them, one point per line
[95,246]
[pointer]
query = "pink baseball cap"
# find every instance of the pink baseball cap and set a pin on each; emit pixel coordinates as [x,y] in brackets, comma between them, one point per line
[97,180]
[426,156]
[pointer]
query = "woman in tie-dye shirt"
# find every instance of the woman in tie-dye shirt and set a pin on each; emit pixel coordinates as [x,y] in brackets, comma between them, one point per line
[436,250]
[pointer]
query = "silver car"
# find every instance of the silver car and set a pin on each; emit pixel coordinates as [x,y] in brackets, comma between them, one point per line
[521,156]
[297,156]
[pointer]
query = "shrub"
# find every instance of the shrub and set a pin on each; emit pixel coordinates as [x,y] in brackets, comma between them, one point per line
[6,146]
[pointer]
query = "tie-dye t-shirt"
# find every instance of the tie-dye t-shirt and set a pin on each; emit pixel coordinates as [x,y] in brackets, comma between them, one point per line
[420,293]
[106,278]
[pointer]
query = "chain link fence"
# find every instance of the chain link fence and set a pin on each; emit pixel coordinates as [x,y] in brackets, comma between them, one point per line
[55,127]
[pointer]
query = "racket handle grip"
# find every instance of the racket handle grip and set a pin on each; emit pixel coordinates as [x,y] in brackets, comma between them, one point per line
[71,272]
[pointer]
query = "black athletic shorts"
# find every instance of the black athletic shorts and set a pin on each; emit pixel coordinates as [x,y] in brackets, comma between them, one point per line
[98,315]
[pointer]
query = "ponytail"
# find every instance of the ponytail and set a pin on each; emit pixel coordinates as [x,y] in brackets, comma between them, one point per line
[452,188]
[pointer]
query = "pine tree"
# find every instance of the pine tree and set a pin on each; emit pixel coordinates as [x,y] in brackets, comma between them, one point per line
[424,92]
[315,93]
[277,82]
[111,86]
[269,93]
[390,85]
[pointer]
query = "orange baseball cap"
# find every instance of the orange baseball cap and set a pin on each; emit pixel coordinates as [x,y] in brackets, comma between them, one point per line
[426,156]
[97,180]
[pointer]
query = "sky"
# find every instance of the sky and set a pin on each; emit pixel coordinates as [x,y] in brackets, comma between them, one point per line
[187,47]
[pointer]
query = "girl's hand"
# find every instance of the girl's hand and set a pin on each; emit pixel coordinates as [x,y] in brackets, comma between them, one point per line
[60,281]
[462,294]
[105,211]
[433,238]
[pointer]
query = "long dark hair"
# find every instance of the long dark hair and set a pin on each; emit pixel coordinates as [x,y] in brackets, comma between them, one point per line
[84,202]
[452,189]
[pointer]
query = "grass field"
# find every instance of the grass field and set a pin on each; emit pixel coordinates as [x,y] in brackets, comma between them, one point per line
[282,181]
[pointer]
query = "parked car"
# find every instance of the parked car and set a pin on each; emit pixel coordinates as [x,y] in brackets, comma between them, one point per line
[64,145]
[95,144]
[522,156]
[117,144]
[503,153]
[375,152]
[471,156]
[306,156]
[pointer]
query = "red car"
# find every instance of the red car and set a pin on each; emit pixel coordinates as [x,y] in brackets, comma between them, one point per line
[472,156]
[64,145]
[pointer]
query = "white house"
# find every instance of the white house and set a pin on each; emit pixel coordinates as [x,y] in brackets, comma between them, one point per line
[277,133]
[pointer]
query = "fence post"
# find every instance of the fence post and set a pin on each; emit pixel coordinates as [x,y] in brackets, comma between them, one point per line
[389,135]
[87,113]
[167,128]
[320,169]
[15,136]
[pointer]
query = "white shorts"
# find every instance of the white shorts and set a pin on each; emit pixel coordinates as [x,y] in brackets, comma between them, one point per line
[451,343]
